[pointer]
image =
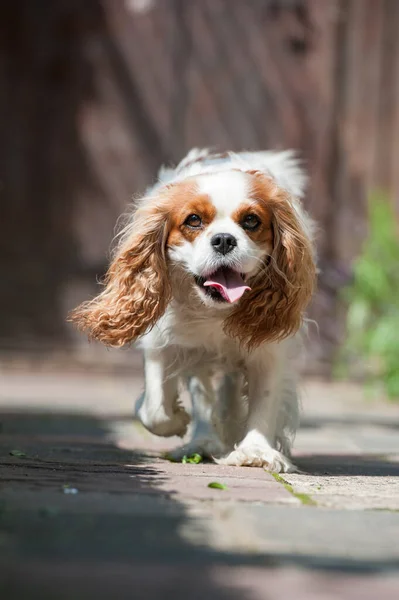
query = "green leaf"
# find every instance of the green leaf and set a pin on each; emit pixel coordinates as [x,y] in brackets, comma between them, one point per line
[384,339]
[392,384]
[194,459]
[373,280]
[217,486]
[358,314]
[18,454]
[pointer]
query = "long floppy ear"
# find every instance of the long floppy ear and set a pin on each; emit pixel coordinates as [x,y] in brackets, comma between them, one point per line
[273,309]
[137,288]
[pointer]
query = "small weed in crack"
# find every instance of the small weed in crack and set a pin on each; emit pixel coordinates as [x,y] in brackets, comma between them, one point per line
[303,498]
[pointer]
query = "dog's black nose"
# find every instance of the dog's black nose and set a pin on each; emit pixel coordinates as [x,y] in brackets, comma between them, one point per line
[223,242]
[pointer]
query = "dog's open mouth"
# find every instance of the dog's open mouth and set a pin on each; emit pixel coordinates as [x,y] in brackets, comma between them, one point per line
[224,285]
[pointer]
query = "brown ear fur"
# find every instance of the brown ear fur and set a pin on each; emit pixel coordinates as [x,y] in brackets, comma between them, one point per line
[273,309]
[137,288]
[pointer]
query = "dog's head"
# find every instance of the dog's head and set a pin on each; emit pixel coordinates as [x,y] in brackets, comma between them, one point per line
[241,243]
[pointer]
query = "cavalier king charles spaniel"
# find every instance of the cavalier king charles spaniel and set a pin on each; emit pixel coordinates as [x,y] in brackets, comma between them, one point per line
[212,274]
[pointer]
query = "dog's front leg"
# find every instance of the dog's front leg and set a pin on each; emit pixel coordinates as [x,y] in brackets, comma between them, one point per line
[159,409]
[258,446]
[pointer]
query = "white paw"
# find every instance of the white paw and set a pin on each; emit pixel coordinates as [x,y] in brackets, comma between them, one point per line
[207,448]
[163,424]
[258,456]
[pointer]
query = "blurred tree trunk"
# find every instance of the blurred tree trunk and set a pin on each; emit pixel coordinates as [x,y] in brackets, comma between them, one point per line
[45,79]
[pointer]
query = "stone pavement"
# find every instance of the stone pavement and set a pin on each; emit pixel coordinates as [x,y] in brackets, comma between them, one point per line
[88,509]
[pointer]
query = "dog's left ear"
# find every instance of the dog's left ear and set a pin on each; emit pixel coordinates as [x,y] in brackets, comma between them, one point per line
[137,288]
[273,309]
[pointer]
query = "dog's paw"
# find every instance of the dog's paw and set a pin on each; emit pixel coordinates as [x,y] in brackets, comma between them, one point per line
[206,447]
[163,424]
[258,456]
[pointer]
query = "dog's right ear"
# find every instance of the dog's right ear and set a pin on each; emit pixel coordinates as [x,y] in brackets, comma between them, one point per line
[137,288]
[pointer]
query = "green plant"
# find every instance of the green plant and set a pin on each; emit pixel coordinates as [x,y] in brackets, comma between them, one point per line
[373,301]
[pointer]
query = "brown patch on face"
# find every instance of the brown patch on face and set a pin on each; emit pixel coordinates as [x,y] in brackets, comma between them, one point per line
[186,202]
[273,309]
[257,204]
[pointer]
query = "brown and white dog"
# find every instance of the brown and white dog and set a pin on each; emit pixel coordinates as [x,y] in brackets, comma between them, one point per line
[213,273]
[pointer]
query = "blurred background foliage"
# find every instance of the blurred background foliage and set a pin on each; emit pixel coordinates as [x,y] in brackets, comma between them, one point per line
[371,347]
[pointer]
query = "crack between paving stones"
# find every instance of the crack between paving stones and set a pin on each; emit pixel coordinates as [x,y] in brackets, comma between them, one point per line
[304,499]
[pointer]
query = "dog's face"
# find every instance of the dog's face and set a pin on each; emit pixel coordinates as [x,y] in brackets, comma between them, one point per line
[241,242]
[221,233]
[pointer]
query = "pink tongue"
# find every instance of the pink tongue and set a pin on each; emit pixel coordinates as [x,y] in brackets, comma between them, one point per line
[229,283]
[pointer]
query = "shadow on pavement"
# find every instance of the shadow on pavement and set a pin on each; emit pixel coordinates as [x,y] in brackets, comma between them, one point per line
[370,465]
[348,420]
[119,536]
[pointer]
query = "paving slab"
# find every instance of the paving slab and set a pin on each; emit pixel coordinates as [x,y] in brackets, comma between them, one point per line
[89,509]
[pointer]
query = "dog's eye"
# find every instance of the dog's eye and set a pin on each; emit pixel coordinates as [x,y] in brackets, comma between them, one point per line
[250,222]
[193,221]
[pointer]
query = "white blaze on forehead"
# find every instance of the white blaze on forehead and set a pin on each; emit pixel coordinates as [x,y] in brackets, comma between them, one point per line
[226,190]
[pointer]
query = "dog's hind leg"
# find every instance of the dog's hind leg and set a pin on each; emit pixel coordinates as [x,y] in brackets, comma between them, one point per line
[230,411]
[204,440]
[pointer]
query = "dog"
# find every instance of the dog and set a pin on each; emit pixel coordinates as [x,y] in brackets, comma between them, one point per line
[212,274]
